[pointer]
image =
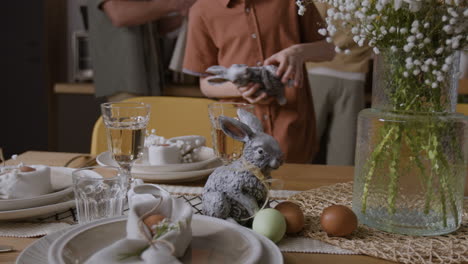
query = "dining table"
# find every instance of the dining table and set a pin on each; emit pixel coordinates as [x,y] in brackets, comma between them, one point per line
[298,177]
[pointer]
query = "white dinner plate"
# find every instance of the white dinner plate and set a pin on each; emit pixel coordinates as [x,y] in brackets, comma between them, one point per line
[212,237]
[165,177]
[36,252]
[206,158]
[50,209]
[61,184]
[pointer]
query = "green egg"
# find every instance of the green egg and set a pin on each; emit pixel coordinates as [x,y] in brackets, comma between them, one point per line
[270,223]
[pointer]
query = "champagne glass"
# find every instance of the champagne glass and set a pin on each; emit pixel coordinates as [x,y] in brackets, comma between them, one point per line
[225,147]
[126,126]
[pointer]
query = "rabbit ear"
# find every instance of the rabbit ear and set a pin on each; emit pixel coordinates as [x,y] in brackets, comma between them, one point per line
[215,80]
[235,129]
[250,120]
[216,70]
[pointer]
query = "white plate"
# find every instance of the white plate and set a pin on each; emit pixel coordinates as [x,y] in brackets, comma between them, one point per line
[61,183]
[175,177]
[166,177]
[207,157]
[35,253]
[211,237]
[37,211]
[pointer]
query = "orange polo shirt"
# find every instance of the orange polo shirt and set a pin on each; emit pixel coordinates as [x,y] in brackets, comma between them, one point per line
[225,32]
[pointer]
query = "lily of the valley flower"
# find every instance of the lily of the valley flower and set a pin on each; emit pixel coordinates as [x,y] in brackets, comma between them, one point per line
[414,5]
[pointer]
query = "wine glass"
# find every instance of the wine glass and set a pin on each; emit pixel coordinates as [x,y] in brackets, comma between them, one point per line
[226,148]
[126,126]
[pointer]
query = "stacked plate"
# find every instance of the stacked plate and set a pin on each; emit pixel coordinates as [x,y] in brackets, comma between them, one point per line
[214,241]
[59,200]
[169,173]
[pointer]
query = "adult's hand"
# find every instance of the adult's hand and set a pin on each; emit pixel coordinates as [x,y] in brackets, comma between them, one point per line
[252,95]
[290,63]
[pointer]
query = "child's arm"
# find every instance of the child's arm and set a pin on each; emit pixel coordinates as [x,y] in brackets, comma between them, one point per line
[228,89]
[291,60]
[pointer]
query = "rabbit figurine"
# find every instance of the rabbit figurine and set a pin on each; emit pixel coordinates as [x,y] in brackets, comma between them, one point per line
[241,75]
[236,190]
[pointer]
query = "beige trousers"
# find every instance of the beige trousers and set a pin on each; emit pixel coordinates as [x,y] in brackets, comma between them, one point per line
[337,103]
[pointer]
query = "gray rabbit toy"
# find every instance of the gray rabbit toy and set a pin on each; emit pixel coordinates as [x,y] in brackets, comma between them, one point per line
[238,190]
[241,75]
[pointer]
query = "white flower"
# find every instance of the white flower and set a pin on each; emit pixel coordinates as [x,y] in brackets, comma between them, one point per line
[403,30]
[407,48]
[434,85]
[337,49]
[444,18]
[439,50]
[427,81]
[354,30]
[417,62]
[426,25]
[405,74]
[440,78]
[448,29]
[397,4]
[416,72]
[411,39]
[329,40]
[361,42]
[393,48]
[392,29]
[448,60]
[424,68]
[376,50]
[347,51]
[322,32]
[356,38]
[419,36]
[445,68]
[427,40]
[301,10]
[465,13]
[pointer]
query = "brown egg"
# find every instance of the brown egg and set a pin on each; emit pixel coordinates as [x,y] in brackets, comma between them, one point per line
[152,220]
[293,215]
[338,220]
[26,169]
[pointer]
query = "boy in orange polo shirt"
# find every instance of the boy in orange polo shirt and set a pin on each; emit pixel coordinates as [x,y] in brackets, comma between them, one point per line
[226,32]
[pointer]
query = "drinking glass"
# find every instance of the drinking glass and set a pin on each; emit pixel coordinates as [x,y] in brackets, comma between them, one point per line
[126,126]
[225,147]
[100,192]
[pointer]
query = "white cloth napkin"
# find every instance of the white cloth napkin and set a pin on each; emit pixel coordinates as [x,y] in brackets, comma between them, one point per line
[174,209]
[15,184]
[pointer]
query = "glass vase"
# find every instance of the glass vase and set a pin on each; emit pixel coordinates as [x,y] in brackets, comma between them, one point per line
[411,150]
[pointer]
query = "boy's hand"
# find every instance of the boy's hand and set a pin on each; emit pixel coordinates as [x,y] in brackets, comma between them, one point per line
[291,65]
[252,95]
